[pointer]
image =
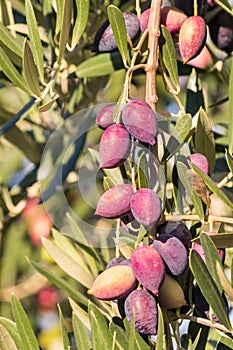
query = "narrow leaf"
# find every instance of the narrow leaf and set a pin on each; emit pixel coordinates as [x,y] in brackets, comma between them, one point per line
[60,282]
[15,44]
[67,264]
[80,22]
[100,332]
[160,333]
[29,341]
[99,65]
[209,288]
[224,281]
[65,29]
[169,56]
[143,173]
[81,314]
[6,342]
[204,138]
[211,257]
[11,328]
[81,335]
[60,10]
[121,337]
[64,332]
[30,71]
[230,122]
[139,343]
[117,23]
[212,186]
[196,201]
[224,4]
[34,38]
[223,240]
[11,72]
[229,161]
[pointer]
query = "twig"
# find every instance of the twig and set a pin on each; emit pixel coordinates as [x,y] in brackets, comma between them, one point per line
[207,323]
[152,62]
[190,217]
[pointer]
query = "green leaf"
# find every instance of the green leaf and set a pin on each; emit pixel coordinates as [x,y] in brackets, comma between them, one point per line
[30,71]
[229,161]
[65,29]
[139,343]
[230,122]
[196,341]
[122,340]
[100,332]
[160,344]
[169,57]
[195,200]
[80,22]
[6,342]
[35,41]
[60,9]
[211,257]
[143,172]
[204,138]
[81,314]
[15,44]
[224,4]
[117,23]
[64,332]
[209,288]
[67,264]
[52,275]
[11,72]
[224,281]
[28,338]
[80,334]
[212,186]
[223,240]
[11,328]
[99,65]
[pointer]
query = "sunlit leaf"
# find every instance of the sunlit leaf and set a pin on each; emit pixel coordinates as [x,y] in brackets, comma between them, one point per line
[6,342]
[224,281]
[100,332]
[15,44]
[229,161]
[28,338]
[81,335]
[143,173]
[80,22]
[160,333]
[169,56]
[117,23]
[12,73]
[209,288]
[204,138]
[11,328]
[66,263]
[223,240]
[122,340]
[139,343]
[46,106]
[99,65]
[35,41]
[81,314]
[225,5]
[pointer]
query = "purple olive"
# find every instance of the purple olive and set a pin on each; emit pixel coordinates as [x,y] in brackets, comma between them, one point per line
[105,116]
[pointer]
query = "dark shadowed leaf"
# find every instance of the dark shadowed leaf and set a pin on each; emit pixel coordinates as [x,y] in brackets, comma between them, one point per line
[80,22]
[117,23]
[209,288]
[28,338]
[81,335]
[204,138]
[64,332]
[99,65]
[100,332]
[212,186]
[194,95]
[230,123]
[223,240]
[35,41]
[6,342]
[169,57]
[30,71]
[211,257]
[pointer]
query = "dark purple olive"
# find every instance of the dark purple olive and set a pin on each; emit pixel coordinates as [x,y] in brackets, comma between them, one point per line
[177,229]
[141,307]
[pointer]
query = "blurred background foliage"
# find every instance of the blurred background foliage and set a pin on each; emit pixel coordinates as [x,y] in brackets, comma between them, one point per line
[45,77]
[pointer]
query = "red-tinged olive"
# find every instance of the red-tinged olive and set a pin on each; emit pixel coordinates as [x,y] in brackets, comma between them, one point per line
[115,202]
[105,116]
